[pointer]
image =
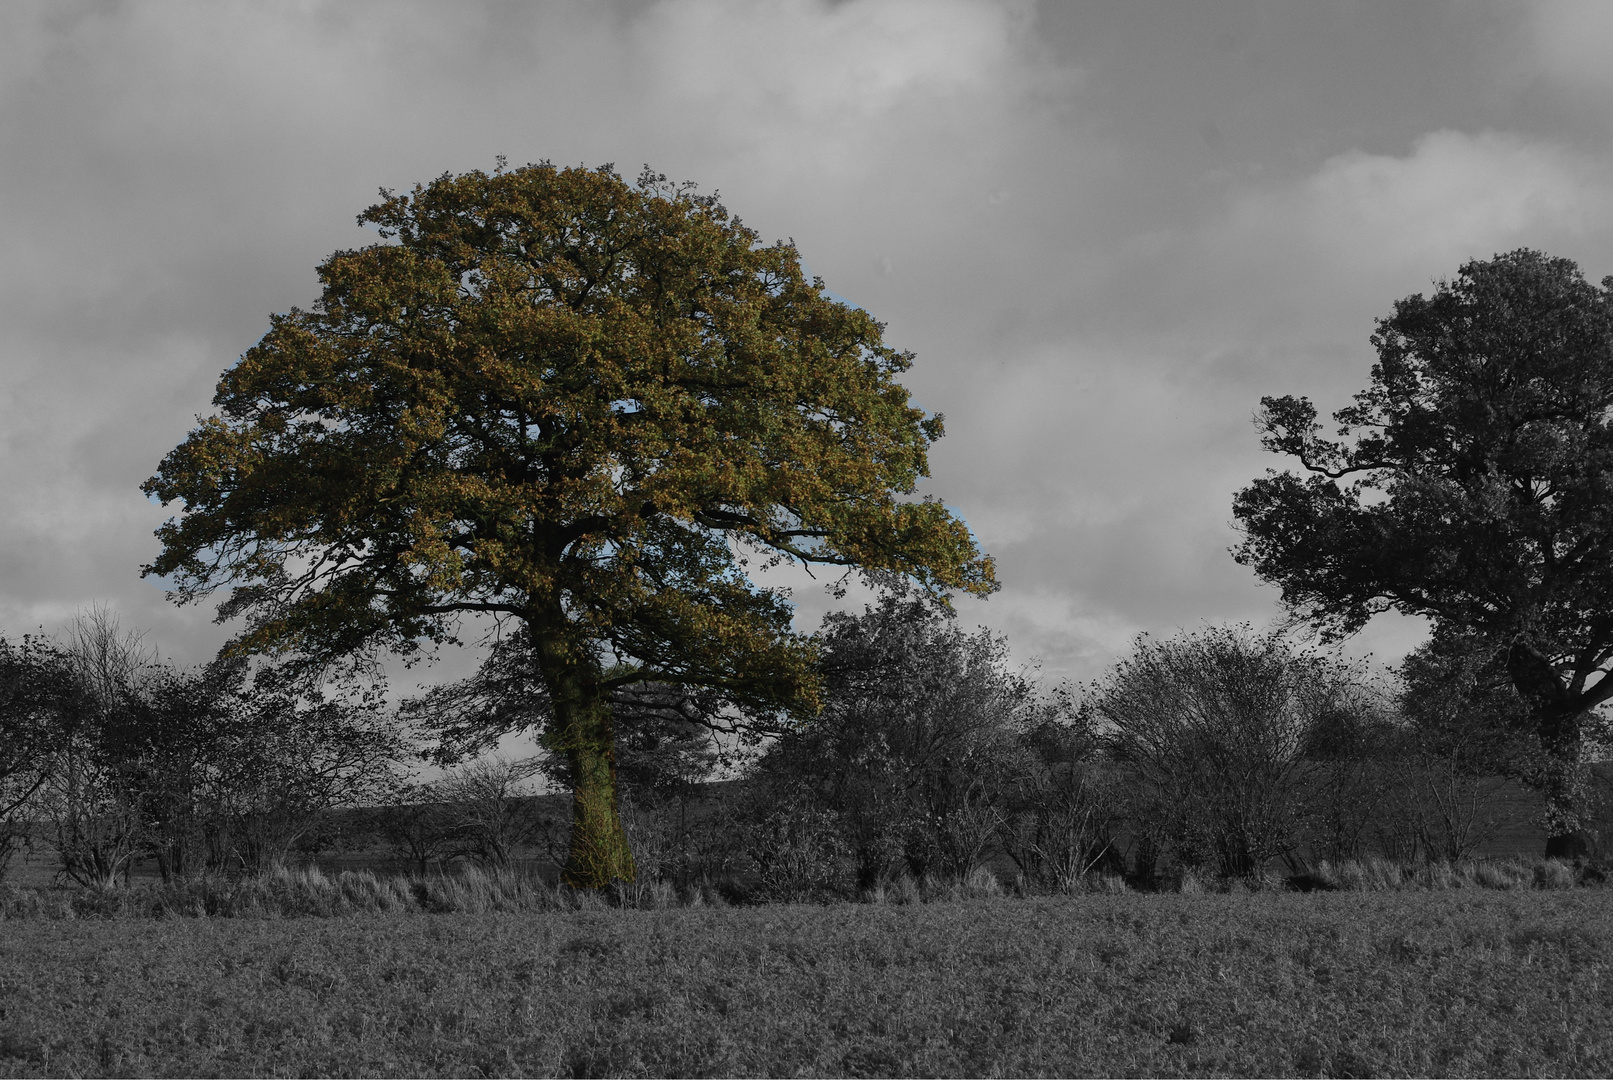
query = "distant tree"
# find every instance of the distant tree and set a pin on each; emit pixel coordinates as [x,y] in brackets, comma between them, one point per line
[1474,486]
[918,744]
[1464,734]
[414,824]
[89,794]
[578,403]
[37,696]
[212,768]
[1218,728]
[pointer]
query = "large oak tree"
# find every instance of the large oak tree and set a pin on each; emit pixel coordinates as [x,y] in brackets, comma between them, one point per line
[1472,483]
[560,398]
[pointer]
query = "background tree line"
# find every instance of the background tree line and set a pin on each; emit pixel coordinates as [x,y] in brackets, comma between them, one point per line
[1223,753]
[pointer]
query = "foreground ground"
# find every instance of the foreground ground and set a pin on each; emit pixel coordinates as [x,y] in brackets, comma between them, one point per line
[1464,982]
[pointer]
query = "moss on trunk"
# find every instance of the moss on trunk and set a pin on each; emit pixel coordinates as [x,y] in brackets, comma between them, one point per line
[582,732]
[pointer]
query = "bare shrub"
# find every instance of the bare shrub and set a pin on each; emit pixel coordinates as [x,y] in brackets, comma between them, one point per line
[1435,806]
[1061,828]
[292,753]
[683,836]
[1464,734]
[1353,753]
[95,825]
[414,827]
[1216,726]
[488,810]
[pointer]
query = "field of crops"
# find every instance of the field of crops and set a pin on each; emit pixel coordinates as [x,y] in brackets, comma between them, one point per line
[1463,981]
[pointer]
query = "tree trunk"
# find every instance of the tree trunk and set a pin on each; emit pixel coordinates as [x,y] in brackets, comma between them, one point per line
[1558,723]
[583,733]
[1560,738]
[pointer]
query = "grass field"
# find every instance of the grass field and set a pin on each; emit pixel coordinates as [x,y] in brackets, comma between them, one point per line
[1480,982]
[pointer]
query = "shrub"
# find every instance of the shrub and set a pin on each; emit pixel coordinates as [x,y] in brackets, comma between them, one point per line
[1220,730]
[1060,826]
[38,697]
[917,748]
[487,810]
[796,849]
[208,769]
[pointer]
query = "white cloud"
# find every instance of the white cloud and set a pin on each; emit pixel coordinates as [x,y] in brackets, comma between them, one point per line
[1291,274]
[1456,196]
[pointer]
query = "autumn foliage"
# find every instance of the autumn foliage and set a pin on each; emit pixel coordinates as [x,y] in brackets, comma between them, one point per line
[581,404]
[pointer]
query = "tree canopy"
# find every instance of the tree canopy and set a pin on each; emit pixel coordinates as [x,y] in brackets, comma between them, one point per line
[1472,483]
[554,396]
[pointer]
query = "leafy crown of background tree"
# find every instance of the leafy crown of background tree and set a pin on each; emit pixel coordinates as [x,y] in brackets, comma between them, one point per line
[1473,485]
[574,401]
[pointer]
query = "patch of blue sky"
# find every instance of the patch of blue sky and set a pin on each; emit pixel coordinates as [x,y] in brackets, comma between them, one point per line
[166,582]
[830,293]
[958,513]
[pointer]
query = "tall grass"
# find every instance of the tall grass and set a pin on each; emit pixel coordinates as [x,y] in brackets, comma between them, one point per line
[471,890]
[1380,875]
[287,893]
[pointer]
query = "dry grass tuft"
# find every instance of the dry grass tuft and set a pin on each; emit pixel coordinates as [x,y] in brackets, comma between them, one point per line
[1553,874]
[469,890]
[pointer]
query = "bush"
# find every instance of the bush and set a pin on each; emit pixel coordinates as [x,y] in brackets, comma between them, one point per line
[37,697]
[796,848]
[487,810]
[911,765]
[1060,829]
[204,770]
[1222,730]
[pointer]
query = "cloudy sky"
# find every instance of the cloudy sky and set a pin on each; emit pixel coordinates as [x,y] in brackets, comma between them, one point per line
[1105,229]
